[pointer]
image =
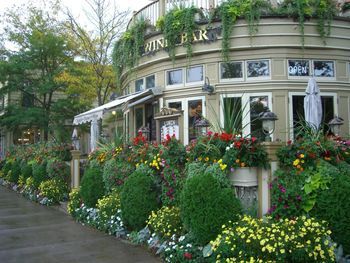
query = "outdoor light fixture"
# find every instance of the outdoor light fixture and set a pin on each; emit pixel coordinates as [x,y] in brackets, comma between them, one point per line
[207,87]
[201,126]
[75,139]
[334,124]
[114,113]
[268,119]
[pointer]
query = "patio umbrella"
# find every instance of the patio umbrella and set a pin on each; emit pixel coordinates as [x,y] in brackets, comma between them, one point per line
[93,134]
[313,104]
[75,139]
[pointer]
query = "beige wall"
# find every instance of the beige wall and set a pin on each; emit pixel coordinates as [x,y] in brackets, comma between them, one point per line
[277,40]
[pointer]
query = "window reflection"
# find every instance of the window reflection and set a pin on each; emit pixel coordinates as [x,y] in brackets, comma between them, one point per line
[195,112]
[194,74]
[174,77]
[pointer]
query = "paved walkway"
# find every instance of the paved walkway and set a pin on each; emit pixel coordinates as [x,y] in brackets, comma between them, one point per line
[30,232]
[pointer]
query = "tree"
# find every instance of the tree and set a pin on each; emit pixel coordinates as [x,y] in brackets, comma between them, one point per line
[44,49]
[96,45]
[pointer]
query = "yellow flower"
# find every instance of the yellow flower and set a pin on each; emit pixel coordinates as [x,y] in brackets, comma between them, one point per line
[296,162]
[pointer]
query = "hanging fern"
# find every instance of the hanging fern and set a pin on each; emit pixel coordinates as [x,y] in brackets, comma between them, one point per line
[325,12]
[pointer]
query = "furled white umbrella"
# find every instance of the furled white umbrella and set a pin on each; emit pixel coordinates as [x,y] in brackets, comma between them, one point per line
[75,139]
[313,104]
[93,135]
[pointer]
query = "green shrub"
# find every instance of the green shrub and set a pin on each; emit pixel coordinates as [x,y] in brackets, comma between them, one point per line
[58,169]
[108,207]
[333,206]
[54,189]
[138,199]
[74,202]
[206,206]
[7,167]
[39,173]
[115,172]
[13,176]
[26,170]
[92,187]
[166,222]
[297,240]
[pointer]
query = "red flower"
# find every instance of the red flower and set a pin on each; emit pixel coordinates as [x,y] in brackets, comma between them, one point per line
[187,255]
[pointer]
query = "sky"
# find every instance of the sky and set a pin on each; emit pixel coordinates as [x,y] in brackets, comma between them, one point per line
[77,6]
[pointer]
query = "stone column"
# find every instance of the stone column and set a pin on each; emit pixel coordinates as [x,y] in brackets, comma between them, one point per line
[75,169]
[265,177]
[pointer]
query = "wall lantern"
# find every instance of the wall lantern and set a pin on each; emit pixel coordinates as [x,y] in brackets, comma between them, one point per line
[207,87]
[268,119]
[75,139]
[201,125]
[334,125]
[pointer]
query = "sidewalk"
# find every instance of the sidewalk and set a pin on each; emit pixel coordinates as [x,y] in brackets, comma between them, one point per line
[30,232]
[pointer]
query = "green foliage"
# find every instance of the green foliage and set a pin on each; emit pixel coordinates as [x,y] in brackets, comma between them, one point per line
[178,21]
[297,240]
[138,199]
[92,187]
[39,173]
[15,172]
[333,206]
[26,169]
[128,49]
[74,202]
[115,172]
[7,167]
[165,222]
[58,169]
[54,189]
[108,207]
[205,206]
[38,34]
[317,181]
[171,185]
[173,151]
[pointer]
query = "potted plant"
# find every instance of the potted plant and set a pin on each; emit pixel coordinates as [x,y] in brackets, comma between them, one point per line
[243,156]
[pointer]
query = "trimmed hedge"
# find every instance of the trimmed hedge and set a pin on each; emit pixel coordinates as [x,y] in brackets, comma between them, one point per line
[205,206]
[92,187]
[138,199]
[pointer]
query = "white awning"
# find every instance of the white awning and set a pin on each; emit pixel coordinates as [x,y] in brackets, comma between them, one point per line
[97,113]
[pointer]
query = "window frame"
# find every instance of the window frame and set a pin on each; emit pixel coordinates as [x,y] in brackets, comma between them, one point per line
[246,128]
[184,104]
[177,84]
[187,83]
[300,93]
[322,78]
[259,77]
[232,79]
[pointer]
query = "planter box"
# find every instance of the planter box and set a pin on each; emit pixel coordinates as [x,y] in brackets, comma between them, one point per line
[245,176]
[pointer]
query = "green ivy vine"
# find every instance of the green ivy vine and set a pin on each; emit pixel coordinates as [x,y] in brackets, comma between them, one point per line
[180,20]
[129,48]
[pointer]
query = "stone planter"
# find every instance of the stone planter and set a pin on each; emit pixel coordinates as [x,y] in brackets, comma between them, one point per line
[245,176]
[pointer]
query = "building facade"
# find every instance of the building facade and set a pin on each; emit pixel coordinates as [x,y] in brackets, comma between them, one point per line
[267,71]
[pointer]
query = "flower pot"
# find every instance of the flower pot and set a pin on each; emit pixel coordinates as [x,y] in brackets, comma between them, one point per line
[244,176]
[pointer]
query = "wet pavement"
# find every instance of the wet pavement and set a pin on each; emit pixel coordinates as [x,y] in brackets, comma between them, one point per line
[30,232]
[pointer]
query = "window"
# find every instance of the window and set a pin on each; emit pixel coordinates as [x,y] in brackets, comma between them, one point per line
[174,77]
[231,70]
[323,69]
[297,111]
[150,82]
[240,112]
[258,69]
[139,85]
[193,109]
[194,74]
[298,68]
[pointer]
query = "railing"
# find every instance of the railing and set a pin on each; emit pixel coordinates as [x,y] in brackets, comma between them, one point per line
[154,10]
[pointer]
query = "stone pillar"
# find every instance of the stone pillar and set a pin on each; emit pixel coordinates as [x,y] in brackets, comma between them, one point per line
[75,169]
[162,7]
[265,177]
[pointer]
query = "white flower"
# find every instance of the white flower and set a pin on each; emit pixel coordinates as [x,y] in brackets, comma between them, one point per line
[188,245]
[182,238]
[227,148]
